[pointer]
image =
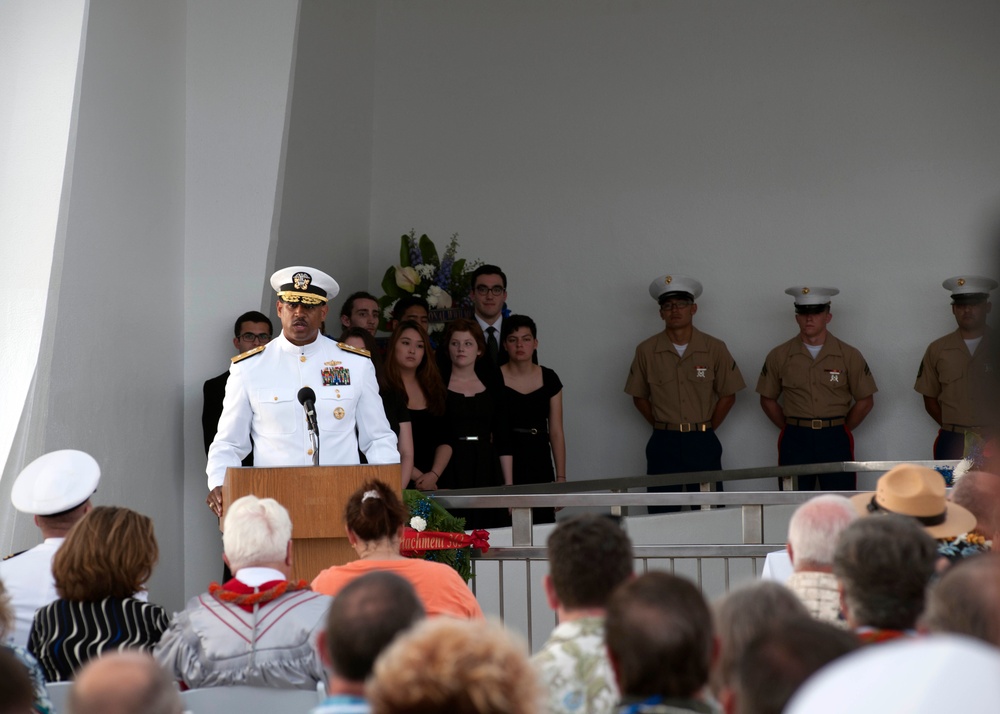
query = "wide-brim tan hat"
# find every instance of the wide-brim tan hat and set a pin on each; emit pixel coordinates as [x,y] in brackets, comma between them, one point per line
[918,492]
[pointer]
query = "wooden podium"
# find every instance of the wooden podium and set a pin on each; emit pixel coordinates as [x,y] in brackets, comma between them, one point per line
[315,497]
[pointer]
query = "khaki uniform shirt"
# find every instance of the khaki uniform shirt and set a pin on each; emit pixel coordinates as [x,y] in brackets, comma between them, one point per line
[948,373]
[821,388]
[683,389]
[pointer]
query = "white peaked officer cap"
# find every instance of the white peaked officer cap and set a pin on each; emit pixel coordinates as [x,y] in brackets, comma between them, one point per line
[969,288]
[809,299]
[56,482]
[303,284]
[920,675]
[669,284]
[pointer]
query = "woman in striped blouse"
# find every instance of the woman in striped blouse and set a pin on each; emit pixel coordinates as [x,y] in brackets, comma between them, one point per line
[99,570]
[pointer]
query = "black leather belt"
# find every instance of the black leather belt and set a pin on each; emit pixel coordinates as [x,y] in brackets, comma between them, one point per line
[814,423]
[683,428]
[533,432]
[468,438]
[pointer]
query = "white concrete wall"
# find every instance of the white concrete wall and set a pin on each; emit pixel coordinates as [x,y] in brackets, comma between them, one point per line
[239,65]
[39,52]
[587,147]
[109,373]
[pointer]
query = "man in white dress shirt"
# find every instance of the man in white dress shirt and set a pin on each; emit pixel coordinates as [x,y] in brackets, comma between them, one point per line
[262,392]
[54,488]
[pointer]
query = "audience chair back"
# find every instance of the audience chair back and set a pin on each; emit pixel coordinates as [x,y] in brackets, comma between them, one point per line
[248,700]
[59,695]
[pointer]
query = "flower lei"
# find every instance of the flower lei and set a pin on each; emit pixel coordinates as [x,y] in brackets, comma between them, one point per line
[273,593]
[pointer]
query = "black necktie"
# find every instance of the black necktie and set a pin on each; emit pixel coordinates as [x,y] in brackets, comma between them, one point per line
[492,346]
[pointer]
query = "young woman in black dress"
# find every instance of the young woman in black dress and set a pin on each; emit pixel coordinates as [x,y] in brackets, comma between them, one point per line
[477,421]
[411,372]
[535,409]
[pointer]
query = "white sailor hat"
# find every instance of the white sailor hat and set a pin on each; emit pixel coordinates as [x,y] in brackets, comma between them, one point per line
[809,301]
[306,285]
[55,482]
[966,289]
[668,285]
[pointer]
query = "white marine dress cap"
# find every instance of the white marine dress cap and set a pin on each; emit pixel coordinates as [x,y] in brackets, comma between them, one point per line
[55,482]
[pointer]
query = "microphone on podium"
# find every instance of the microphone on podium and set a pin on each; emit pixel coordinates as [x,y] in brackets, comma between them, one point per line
[307,398]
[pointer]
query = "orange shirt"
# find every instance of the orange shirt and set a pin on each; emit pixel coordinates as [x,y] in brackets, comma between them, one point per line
[439,587]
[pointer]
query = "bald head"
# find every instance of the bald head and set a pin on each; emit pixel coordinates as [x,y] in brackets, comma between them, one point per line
[979,492]
[124,683]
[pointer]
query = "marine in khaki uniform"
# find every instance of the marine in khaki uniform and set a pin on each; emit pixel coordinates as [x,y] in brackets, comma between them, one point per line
[684,383]
[826,391]
[950,374]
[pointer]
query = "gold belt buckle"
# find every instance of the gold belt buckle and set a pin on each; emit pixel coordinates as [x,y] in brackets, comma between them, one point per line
[817,423]
[685,428]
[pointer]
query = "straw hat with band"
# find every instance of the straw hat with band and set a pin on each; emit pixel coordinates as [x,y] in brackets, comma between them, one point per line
[918,492]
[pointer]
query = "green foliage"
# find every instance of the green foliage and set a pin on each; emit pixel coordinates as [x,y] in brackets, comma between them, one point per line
[439,520]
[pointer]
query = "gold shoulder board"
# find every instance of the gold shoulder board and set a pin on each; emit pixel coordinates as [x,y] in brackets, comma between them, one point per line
[355,350]
[249,353]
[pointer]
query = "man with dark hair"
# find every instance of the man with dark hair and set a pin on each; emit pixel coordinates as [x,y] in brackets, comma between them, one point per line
[488,290]
[826,391]
[360,309]
[364,619]
[589,556]
[683,382]
[124,683]
[659,635]
[951,372]
[778,660]
[411,307]
[251,330]
[964,601]
[884,563]
[55,488]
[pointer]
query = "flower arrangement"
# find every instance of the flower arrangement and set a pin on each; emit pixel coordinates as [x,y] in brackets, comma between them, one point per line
[443,281]
[434,534]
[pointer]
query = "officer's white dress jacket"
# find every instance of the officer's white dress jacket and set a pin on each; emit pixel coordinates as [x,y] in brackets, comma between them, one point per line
[262,400]
[30,585]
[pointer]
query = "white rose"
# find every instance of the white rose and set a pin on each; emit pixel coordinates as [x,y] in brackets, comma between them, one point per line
[418,524]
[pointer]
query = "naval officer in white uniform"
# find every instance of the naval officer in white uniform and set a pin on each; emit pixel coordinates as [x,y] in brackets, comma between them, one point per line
[54,488]
[262,392]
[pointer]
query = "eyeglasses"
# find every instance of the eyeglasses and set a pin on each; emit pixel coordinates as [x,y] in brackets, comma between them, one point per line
[263,338]
[484,290]
[679,305]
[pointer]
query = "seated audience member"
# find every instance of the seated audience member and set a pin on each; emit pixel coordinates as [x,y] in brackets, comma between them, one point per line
[258,629]
[589,556]
[412,377]
[107,558]
[454,666]
[923,675]
[659,637]
[740,616]
[812,536]
[253,329]
[39,700]
[365,618]
[883,565]
[360,309]
[374,518]
[779,660]
[17,694]
[965,600]
[55,488]
[124,683]
[979,493]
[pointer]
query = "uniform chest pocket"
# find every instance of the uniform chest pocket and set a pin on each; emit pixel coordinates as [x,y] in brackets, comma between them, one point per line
[335,406]
[663,385]
[700,374]
[949,371]
[277,411]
